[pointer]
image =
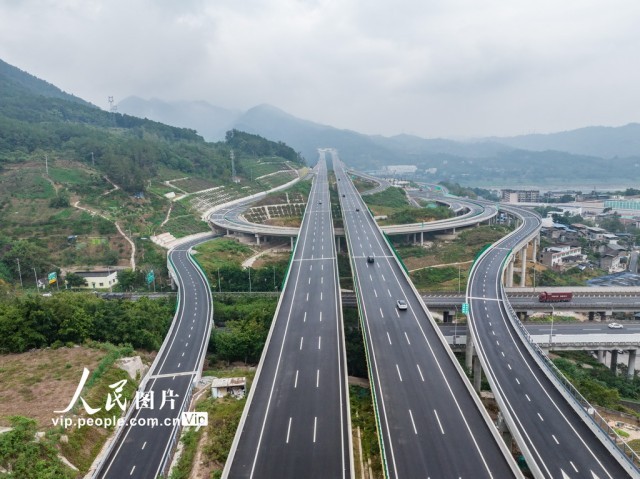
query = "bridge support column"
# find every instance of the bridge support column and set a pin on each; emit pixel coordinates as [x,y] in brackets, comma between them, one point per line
[337,244]
[258,240]
[421,238]
[534,253]
[504,430]
[601,355]
[510,274]
[614,361]
[468,359]
[292,239]
[523,270]
[631,364]
[477,374]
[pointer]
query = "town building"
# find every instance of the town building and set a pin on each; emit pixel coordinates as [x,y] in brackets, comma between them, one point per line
[99,279]
[521,196]
[561,255]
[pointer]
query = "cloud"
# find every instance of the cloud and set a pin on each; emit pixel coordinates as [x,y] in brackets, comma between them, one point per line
[437,68]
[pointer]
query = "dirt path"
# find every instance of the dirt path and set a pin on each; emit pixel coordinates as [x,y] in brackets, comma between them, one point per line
[441,265]
[115,187]
[132,260]
[168,216]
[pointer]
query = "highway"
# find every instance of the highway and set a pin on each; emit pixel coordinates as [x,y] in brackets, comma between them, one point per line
[556,441]
[142,451]
[297,419]
[430,421]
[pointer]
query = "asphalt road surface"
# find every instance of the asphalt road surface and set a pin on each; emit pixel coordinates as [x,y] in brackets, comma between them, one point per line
[555,436]
[297,422]
[430,421]
[142,449]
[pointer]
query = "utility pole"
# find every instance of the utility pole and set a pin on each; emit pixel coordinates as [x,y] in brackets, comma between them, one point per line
[46,164]
[19,272]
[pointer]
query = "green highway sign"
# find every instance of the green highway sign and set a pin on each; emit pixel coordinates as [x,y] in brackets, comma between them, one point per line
[465,308]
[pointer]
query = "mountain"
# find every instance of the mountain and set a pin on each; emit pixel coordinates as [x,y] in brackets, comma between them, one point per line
[602,141]
[578,157]
[210,121]
[12,78]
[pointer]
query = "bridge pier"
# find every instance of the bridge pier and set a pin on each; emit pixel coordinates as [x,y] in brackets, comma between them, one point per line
[510,274]
[421,238]
[614,361]
[504,430]
[292,243]
[601,355]
[523,268]
[631,363]
[468,358]
[477,373]
[337,244]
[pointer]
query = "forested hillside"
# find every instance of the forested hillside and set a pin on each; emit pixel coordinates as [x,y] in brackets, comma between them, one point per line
[37,119]
[106,171]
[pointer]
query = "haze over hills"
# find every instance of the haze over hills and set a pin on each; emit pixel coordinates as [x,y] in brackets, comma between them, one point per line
[587,156]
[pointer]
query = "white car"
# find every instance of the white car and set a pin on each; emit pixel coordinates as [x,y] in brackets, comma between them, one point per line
[401,303]
[615,325]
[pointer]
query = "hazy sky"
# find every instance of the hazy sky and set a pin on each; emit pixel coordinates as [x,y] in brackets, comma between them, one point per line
[435,68]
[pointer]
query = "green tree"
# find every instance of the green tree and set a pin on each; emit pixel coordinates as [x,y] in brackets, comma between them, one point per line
[75,280]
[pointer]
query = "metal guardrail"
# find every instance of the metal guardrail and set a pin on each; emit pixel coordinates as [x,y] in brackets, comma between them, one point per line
[571,390]
[581,405]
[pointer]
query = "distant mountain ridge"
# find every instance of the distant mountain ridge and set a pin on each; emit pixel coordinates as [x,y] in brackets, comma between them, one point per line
[582,156]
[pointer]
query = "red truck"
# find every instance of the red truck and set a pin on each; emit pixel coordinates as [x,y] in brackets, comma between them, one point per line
[552,297]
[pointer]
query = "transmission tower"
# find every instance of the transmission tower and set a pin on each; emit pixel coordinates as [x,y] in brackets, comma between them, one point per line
[233,168]
[113,109]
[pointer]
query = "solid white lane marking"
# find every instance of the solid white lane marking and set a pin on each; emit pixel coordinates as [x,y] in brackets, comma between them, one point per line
[295,383]
[388,337]
[413,422]
[301,341]
[438,419]
[288,430]
[405,335]
[420,371]
[315,426]
[399,375]
[574,466]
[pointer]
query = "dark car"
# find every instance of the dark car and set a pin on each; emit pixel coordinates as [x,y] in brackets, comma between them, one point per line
[370,259]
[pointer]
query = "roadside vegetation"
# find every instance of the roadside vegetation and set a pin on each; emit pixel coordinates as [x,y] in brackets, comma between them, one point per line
[437,265]
[31,321]
[597,383]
